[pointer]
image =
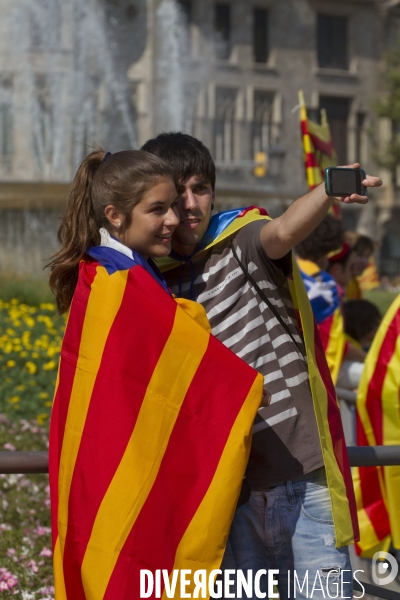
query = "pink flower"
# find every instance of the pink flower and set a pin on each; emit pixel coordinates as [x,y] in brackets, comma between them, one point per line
[9,446]
[7,580]
[32,566]
[40,530]
[46,552]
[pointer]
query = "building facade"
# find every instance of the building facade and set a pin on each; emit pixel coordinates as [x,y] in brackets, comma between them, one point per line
[118,72]
[241,66]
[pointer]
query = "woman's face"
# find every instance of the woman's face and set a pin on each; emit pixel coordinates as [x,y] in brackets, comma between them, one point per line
[154,220]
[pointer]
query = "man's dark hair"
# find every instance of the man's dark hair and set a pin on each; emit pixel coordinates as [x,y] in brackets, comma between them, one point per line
[326,237]
[185,155]
[360,318]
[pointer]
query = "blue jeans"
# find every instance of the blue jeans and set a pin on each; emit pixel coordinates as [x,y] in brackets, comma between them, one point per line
[290,528]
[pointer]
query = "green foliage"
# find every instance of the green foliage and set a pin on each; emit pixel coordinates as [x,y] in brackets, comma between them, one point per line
[30,342]
[27,290]
[25,543]
[389,107]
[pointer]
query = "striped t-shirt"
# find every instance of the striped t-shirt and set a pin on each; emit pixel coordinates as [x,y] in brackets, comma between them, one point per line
[285,436]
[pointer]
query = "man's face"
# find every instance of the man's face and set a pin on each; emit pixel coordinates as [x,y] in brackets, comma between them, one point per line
[195,198]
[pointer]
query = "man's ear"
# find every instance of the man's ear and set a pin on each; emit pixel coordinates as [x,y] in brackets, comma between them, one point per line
[212,200]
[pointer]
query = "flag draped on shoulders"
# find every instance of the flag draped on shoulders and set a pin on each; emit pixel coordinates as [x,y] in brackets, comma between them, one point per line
[150,433]
[324,297]
[378,423]
[325,403]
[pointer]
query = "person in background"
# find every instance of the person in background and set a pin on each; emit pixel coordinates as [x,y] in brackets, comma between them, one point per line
[323,290]
[362,319]
[363,266]
[340,268]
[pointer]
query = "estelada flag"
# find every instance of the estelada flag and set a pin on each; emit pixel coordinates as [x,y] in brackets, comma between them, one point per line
[150,434]
[319,152]
[326,407]
[378,423]
[323,294]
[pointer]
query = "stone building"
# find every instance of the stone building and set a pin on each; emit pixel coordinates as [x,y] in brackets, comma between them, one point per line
[226,71]
[241,65]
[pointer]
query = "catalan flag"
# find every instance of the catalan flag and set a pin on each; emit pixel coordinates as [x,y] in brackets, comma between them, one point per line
[319,152]
[326,407]
[324,297]
[378,423]
[150,434]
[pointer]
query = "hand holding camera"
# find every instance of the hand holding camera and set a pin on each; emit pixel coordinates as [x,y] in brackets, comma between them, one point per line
[349,183]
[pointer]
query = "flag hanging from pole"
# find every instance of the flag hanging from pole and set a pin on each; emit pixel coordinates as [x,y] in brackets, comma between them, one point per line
[377,489]
[319,152]
[150,434]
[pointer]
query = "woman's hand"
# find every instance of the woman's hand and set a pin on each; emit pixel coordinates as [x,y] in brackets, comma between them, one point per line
[266,398]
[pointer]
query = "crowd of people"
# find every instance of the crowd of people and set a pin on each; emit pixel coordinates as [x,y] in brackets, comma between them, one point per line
[331,269]
[144,218]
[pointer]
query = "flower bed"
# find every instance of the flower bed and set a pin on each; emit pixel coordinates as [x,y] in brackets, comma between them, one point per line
[25,541]
[30,341]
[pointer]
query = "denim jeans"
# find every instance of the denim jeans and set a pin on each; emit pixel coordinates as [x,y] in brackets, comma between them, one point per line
[290,528]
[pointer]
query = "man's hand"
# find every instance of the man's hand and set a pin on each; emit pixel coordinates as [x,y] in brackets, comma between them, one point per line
[369,181]
[279,236]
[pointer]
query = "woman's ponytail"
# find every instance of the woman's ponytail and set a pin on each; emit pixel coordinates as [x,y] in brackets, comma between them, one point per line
[78,231]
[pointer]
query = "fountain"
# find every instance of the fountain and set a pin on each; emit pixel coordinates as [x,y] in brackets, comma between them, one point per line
[68,95]
[69,84]
[68,62]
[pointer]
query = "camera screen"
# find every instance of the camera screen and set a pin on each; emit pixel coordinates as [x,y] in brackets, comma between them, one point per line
[343,182]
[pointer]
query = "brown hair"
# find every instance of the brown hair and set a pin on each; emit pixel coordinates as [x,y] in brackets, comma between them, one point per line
[120,180]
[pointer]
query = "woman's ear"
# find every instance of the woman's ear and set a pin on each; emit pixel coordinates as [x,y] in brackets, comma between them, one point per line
[113,216]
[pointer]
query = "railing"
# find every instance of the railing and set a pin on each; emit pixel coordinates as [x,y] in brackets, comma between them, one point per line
[359,456]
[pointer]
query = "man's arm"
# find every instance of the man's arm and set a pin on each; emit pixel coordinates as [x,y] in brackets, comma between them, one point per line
[279,236]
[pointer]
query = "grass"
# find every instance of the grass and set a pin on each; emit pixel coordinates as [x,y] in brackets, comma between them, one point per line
[26,290]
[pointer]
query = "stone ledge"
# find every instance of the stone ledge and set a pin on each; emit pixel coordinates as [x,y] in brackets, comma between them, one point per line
[20,195]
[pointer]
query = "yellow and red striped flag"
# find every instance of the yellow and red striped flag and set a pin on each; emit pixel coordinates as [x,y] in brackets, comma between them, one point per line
[319,152]
[150,435]
[378,423]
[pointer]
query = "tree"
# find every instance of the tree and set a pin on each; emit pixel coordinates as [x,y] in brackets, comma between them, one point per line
[389,107]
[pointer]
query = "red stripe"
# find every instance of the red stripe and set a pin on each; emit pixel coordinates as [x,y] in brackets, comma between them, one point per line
[371,496]
[374,394]
[192,456]
[142,327]
[336,429]
[261,211]
[70,346]
[325,147]
[311,161]
[304,127]
[325,331]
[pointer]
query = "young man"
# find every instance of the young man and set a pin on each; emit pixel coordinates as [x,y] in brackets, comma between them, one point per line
[237,266]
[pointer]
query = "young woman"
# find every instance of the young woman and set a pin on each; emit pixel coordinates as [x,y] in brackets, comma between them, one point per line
[152,416]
